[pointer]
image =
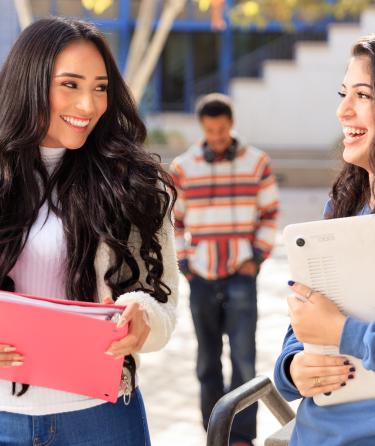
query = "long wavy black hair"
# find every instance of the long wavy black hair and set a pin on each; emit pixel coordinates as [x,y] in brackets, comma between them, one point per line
[352,189]
[105,188]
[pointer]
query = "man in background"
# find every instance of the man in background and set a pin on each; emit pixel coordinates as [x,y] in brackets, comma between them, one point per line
[225,220]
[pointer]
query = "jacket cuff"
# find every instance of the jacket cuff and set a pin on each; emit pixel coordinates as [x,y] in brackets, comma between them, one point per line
[351,342]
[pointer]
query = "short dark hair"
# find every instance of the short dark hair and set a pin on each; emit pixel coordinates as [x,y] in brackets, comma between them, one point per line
[214,104]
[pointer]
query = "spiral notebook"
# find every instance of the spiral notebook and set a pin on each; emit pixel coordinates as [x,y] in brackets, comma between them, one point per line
[63,343]
[337,258]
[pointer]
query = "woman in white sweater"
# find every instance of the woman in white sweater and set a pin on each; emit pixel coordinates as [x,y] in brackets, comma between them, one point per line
[84,215]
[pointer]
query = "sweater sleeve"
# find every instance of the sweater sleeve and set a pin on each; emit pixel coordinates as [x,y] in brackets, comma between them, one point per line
[161,316]
[283,380]
[358,340]
[268,204]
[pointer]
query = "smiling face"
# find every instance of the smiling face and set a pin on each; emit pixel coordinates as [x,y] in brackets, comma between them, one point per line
[78,95]
[356,112]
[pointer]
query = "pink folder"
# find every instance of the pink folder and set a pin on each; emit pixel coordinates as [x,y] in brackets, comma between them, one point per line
[62,350]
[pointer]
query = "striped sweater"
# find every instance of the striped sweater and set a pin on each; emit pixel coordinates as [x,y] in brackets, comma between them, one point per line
[225,211]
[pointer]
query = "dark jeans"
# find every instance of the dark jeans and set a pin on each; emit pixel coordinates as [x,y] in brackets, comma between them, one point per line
[225,306]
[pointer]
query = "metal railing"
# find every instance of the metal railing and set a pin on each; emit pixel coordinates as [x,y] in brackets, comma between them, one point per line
[239,399]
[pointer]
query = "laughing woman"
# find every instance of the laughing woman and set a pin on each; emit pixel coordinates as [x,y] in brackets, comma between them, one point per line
[84,215]
[301,374]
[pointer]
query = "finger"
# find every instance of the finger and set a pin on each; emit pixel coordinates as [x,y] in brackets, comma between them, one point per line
[329,380]
[10,357]
[10,363]
[128,314]
[295,302]
[316,360]
[7,348]
[134,341]
[301,289]
[312,391]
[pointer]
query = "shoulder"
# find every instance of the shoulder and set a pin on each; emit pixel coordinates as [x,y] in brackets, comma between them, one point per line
[187,160]
[253,153]
[327,208]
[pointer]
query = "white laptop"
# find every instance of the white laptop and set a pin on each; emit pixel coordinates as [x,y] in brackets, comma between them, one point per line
[337,258]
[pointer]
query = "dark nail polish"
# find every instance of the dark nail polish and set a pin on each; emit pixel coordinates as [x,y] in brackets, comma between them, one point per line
[343,384]
[347,362]
[327,393]
[351,376]
[291,282]
[352,369]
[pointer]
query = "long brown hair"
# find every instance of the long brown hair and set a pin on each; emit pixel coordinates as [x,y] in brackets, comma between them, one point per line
[105,188]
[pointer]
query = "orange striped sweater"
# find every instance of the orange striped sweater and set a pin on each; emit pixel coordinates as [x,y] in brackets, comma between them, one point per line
[225,212]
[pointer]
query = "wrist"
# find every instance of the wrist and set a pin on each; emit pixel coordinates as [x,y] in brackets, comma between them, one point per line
[339,326]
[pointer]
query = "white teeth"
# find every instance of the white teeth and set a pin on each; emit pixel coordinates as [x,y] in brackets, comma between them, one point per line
[76,122]
[353,131]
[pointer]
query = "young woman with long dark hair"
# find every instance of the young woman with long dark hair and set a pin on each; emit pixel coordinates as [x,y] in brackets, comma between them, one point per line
[84,215]
[319,321]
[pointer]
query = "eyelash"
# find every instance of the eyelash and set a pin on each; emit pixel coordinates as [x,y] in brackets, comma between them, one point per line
[359,94]
[102,88]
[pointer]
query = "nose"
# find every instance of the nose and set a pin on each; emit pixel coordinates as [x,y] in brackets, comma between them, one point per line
[85,103]
[346,108]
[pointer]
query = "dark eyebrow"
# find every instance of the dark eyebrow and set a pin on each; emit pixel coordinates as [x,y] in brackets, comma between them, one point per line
[360,84]
[79,76]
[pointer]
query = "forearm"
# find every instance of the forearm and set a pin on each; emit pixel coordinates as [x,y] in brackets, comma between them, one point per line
[283,380]
[358,340]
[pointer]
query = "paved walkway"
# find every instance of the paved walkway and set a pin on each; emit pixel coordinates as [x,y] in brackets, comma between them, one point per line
[168,381]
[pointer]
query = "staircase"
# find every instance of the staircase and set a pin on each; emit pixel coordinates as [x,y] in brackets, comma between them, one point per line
[9,28]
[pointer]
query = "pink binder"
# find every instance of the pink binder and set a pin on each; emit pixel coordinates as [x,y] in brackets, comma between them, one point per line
[62,350]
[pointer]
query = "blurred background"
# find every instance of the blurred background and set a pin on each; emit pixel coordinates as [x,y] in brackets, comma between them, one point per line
[282,62]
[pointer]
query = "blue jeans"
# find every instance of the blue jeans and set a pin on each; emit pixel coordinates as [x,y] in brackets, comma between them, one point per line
[104,425]
[225,306]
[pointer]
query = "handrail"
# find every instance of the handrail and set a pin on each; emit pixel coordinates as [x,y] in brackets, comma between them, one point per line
[239,399]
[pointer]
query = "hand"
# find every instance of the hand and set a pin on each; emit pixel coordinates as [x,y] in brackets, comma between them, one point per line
[248,268]
[139,328]
[313,374]
[315,320]
[9,357]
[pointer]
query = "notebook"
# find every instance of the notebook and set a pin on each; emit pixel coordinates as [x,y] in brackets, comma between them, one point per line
[63,343]
[337,258]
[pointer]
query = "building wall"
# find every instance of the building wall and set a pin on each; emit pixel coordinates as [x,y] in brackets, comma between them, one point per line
[292,107]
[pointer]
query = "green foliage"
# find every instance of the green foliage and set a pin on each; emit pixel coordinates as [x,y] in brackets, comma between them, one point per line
[261,12]
[156,136]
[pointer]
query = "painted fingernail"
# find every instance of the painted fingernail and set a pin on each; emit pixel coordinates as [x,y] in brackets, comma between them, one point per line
[347,362]
[9,349]
[291,282]
[352,369]
[327,393]
[351,376]
[109,353]
[343,384]
[16,363]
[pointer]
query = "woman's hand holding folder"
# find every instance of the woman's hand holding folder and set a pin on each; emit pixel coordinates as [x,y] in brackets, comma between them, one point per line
[9,357]
[139,328]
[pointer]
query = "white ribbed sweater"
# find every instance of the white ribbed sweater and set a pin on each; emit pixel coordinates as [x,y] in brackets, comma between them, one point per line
[40,271]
